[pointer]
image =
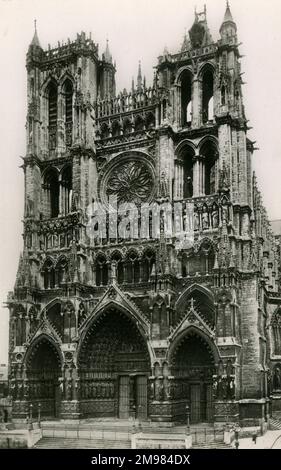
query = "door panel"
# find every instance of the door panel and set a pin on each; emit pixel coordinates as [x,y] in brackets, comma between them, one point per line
[209,403]
[124,397]
[195,404]
[141,397]
[57,401]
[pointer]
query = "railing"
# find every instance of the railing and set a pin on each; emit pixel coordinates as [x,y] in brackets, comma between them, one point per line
[206,435]
[85,431]
[126,102]
[208,49]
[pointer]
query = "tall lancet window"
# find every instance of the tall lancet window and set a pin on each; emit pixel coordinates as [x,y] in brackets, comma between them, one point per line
[208,96]
[66,190]
[68,94]
[186,99]
[210,153]
[52,115]
[52,193]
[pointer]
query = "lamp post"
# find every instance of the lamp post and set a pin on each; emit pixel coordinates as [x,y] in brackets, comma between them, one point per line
[39,413]
[134,418]
[187,419]
[30,417]
[30,412]
[139,418]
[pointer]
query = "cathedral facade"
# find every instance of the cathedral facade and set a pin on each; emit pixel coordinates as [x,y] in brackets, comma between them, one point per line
[112,317]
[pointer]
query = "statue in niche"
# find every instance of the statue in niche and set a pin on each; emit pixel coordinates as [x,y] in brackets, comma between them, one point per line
[69,389]
[215,217]
[224,210]
[215,388]
[277,379]
[196,220]
[29,207]
[159,390]
[231,389]
[188,187]
[169,390]
[152,390]
[205,219]
[229,368]
[220,369]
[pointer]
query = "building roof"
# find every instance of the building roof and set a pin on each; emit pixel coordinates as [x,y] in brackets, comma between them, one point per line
[276,227]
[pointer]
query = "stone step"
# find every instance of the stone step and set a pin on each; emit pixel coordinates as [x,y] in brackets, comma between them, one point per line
[61,443]
[275,424]
[212,445]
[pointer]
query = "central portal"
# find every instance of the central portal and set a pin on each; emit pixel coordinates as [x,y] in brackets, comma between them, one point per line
[114,366]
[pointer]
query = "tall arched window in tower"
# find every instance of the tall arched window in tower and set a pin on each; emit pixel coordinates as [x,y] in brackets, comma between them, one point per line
[208,95]
[186,97]
[61,269]
[66,190]
[210,154]
[132,268]
[52,193]
[49,275]
[187,156]
[68,97]
[101,271]
[52,115]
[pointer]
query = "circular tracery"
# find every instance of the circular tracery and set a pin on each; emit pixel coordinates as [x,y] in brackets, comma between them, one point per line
[130,179]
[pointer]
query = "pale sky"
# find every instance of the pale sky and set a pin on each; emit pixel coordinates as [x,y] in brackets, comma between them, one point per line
[137,30]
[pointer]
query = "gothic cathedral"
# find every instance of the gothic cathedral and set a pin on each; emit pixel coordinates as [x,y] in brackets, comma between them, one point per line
[145,324]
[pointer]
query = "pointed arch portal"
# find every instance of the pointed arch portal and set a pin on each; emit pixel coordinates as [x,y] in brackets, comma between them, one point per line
[43,370]
[193,365]
[114,366]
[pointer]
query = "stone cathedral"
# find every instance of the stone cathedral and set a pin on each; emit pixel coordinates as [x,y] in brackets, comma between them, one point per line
[143,326]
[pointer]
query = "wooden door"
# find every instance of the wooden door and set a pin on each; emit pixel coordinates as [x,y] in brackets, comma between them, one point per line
[141,396]
[195,403]
[124,397]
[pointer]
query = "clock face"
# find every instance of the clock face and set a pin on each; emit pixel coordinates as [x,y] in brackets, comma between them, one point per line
[130,178]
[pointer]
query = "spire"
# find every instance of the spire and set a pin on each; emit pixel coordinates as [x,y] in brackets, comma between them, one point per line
[186,43]
[227,15]
[139,79]
[35,40]
[107,55]
[228,23]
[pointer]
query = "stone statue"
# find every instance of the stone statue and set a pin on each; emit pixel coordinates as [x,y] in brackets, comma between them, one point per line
[152,390]
[277,379]
[215,217]
[196,221]
[224,210]
[205,219]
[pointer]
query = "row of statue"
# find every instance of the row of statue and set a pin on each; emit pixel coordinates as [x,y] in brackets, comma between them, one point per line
[224,388]
[93,389]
